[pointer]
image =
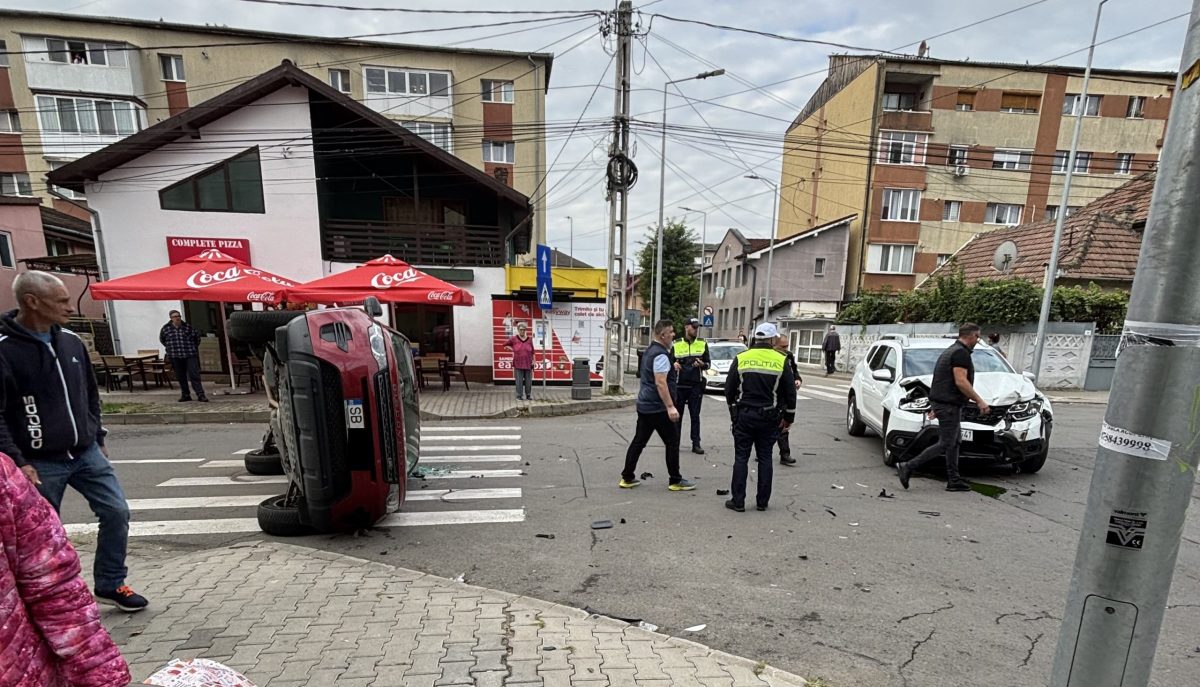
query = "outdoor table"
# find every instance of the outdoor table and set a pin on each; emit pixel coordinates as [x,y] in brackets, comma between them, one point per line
[140,361]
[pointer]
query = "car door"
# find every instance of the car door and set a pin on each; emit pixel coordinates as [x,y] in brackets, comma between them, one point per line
[874,390]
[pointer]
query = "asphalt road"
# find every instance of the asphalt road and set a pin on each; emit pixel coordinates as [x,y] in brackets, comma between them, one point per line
[833,581]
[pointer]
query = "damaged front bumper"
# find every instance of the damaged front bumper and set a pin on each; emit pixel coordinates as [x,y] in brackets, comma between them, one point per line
[1006,441]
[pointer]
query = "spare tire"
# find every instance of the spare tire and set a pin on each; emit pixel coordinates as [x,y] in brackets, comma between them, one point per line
[258,327]
[259,463]
[279,520]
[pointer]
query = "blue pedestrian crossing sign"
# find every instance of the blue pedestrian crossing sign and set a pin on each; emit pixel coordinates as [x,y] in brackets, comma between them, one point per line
[707,320]
[545,282]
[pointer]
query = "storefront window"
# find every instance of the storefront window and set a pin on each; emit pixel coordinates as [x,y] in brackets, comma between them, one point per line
[430,328]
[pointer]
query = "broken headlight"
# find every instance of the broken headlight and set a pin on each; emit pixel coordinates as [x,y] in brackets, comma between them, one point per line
[916,405]
[1025,410]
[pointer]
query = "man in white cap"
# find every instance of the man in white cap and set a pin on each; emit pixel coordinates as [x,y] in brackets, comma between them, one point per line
[761,393]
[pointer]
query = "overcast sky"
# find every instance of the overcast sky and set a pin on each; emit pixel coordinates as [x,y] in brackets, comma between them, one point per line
[1046,31]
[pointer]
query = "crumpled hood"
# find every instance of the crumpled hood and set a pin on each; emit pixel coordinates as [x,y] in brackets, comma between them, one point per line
[997,388]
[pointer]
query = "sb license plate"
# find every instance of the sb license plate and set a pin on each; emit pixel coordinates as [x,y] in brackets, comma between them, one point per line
[968,435]
[354,414]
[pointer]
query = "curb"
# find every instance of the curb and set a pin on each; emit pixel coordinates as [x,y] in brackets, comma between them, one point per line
[546,410]
[211,417]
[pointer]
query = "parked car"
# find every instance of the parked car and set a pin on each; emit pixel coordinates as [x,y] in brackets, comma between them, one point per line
[345,415]
[722,354]
[889,394]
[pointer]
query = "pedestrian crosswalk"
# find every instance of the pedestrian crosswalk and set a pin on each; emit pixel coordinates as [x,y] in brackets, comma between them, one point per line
[216,496]
[824,390]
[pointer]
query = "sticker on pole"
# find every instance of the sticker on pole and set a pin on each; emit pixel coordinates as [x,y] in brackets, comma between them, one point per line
[354,414]
[1124,441]
[1126,529]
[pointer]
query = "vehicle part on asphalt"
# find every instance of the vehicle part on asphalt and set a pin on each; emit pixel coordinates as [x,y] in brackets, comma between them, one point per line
[830,511]
[278,519]
[649,627]
[259,463]
[722,492]
[544,536]
[646,475]
[695,628]
[883,494]
[602,524]
[836,486]
[930,513]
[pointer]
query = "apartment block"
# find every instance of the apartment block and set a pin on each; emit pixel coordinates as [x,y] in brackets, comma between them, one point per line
[71,85]
[932,152]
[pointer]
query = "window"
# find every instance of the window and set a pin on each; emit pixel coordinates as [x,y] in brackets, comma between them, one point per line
[10,122]
[1052,211]
[942,259]
[74,195]
[437,134]
[497,91]
[819,267]
[901,204]
[1012,159]
[340,79]
[1083,160]
[6,252]
[86,116]
[84,52]
[55,247]
[902,147]
[1020,103]
[951,210]
[499,151]
[899,101]
[1124,163]
[965,102]
[15,184]
[956,156]
[890,259]
[234,185]
[1072,104]
[1002,213]
[406,82]
[1137,107]
[172,67]
[3,54]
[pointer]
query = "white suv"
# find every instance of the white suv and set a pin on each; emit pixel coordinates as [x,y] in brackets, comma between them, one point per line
[722,354]
[889,394]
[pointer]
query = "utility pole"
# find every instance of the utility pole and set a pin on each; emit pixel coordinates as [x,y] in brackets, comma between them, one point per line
[1039,345]
[1145,467]
[572,241]
[621,172]
[703,250]
[775,201]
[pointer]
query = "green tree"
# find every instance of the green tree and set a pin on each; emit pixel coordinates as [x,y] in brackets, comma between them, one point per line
[680,287]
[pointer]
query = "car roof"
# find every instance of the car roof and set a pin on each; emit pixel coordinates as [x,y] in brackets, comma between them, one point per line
[929,342]
[726,343]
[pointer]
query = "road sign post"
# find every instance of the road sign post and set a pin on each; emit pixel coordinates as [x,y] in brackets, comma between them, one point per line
[545,291]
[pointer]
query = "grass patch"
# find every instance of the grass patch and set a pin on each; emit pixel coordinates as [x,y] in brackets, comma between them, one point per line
[125,408]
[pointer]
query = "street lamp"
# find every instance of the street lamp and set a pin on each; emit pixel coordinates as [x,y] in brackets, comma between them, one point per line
[771,249]
[703,248]
[572,244]
[662,190]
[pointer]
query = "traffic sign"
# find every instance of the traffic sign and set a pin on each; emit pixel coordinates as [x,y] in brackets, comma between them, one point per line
[708,310]
[707,320]
[545,281]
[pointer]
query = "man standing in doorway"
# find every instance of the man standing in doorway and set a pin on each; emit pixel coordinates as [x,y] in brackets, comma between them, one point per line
[691,360]
[182,343]
[785,446]
[831,345]
[50,426]
[656,413]
[953,377]
[761,393]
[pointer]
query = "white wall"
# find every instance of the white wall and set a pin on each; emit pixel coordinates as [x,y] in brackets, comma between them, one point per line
[285,240]
[473,325]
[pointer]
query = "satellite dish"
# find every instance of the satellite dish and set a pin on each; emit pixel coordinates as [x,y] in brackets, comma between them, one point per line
[1005,257]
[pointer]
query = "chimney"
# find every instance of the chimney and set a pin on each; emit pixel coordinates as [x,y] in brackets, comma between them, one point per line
[923,50]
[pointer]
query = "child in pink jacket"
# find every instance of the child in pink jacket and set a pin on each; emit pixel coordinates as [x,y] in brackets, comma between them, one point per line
[50,631]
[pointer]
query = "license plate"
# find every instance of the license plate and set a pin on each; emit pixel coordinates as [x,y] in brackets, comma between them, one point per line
[354,414]
[968,435]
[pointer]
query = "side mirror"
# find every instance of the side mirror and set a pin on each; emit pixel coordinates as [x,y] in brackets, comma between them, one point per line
[883,375]
[1030,376]
[372,306]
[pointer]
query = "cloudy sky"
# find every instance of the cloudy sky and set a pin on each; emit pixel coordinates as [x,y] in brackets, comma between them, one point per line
[767,80]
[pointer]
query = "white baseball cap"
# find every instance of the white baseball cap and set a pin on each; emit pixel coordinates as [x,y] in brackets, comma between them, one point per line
[766,330]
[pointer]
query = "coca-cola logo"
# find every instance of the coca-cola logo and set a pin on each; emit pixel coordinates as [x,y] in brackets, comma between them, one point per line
[261,296]
[269,278]
[391,281]
[203,278]
[440,296]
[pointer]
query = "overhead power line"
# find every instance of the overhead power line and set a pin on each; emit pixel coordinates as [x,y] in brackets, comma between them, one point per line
[410,10]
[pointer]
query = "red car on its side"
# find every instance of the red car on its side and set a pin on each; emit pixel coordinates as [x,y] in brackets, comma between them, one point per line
[345,415]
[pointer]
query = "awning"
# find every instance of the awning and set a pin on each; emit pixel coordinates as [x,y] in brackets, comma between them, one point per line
[389,279]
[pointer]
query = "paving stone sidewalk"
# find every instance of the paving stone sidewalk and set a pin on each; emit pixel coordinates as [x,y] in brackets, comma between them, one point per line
[287,616]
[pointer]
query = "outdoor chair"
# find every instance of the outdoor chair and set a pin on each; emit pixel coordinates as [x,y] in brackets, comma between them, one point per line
[451,368]
[116,372]
[158,368]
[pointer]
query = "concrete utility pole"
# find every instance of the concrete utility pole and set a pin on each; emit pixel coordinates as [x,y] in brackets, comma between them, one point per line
[771,249]
[620,171]
[1039,346]
[1145,468]
[571,220]
[703,249]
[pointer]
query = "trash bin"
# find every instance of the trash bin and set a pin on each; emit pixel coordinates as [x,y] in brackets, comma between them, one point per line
[581,381]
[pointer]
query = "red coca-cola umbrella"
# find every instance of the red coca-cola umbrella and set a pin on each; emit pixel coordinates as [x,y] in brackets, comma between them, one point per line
[208,276]
[387,278]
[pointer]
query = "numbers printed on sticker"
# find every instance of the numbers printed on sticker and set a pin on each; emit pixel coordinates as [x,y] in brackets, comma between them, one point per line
[354,414]
[1130,442]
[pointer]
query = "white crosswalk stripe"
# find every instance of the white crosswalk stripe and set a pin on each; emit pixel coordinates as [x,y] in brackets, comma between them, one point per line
[201,496]
[834,392]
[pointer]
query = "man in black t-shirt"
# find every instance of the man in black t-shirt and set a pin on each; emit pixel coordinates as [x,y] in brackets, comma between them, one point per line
[953,377]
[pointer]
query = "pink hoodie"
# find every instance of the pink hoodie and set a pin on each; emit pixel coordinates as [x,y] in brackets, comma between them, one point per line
[50,631]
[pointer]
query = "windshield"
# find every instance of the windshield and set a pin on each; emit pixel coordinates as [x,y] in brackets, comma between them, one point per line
[921,361]
[725,352]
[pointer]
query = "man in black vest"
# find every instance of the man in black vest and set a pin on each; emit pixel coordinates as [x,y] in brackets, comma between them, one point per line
[953,377]
[656,413]
[691,360]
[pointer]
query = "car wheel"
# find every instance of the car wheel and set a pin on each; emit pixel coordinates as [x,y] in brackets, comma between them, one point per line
[258,327]
[259,463]
[280,520]
[888,459]
[854,423]
[1036,463]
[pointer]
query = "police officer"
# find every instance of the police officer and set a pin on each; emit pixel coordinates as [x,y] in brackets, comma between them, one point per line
[761,393]
[691,360]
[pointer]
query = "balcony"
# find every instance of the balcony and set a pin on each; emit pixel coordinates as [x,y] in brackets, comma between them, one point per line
[906,120]
[417,243]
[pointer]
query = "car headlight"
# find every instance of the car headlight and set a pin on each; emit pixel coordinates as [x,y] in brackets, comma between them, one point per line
[378,345]
[710,372]
[1025,410]
[917,405]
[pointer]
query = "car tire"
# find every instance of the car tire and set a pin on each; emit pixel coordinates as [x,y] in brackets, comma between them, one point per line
[279,520]
[854,424]
[259,463]
[1036,463]
[258,327]
[888,459]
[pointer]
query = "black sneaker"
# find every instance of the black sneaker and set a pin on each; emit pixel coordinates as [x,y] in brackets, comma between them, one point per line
[203,399]
[903,473]
[734,507]
[959,485]
[787,460]
[760,508]
[697,450]
[123,598]
[184,399]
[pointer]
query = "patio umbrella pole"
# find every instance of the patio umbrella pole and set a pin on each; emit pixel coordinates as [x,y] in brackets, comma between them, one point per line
[233,387]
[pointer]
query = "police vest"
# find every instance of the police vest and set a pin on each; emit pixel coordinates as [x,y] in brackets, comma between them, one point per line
[759,373]
[683,349]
